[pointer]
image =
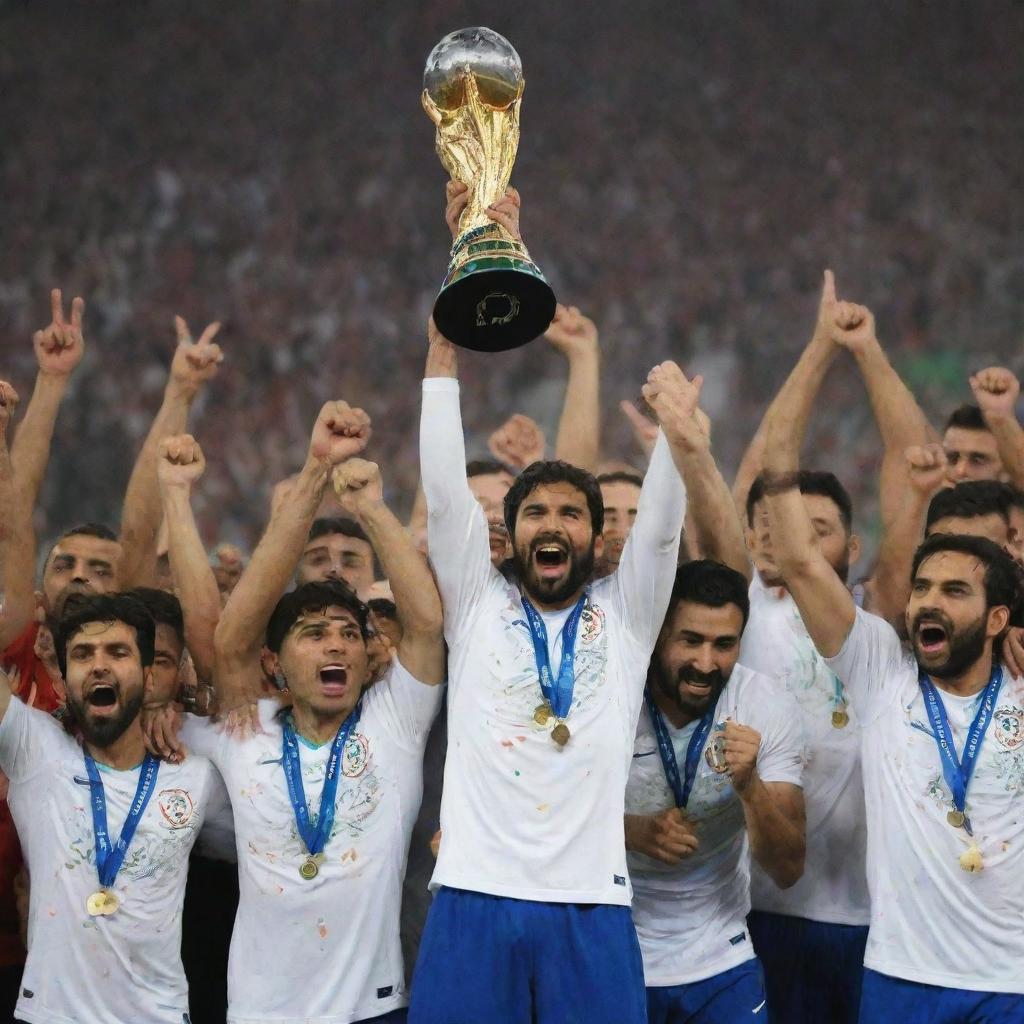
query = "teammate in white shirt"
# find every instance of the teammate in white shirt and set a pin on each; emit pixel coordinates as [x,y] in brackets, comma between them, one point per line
[941,735]
[530,918]
[715,777]
[811,936]
[326,792]
[105,827]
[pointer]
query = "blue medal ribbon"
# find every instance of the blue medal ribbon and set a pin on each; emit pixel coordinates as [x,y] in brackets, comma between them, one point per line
[680,787]
[315,837]
[110,858]
[958,771]
[557,692]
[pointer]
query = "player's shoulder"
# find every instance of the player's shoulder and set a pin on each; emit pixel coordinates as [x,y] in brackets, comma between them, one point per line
[753,697]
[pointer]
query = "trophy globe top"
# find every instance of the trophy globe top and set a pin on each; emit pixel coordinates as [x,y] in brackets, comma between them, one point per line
[491,59]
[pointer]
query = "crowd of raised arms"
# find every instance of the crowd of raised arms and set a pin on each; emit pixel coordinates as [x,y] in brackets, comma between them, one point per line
[577,743]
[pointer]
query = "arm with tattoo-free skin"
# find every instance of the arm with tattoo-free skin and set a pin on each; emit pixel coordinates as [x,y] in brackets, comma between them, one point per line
[193,364]
[8,403]
[58,349]
[579,429]
[421,649]
[996,391]
[340,433]
[180,464]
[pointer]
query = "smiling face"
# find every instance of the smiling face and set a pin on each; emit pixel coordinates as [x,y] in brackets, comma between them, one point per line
[105,680]
[554,546]
[839,547]
[80,564]
[948,618]
[696,653]
[324,662]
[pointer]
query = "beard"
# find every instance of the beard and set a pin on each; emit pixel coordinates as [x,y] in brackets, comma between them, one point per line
[688,704]
[102,732]
[965,646]
[580,568]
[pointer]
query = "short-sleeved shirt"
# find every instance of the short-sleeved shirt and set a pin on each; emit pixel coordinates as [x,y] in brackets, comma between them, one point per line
[932,921]
[326,949]
[691,917]
[834,885]
[94,970]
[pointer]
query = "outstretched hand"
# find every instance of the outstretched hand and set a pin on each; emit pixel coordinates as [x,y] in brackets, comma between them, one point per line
[60,345]
[674,400]
[194,362]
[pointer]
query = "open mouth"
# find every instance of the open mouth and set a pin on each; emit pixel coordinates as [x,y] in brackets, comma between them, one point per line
[931,637]
[102,695]
[551,560]
[333,680]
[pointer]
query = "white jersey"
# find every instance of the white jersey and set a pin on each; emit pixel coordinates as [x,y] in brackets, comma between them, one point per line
[521,817]
[691,918]
[834,885]
[932,921]
[94,970]
[327,949]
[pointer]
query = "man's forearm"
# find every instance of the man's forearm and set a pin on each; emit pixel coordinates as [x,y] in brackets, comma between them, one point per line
[194,578]
[140,518]
[776,843]
[1010,441]
[30,451]
[579,429]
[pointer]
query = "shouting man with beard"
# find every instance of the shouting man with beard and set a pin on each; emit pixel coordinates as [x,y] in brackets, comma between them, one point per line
[530,918]
[716,776]
[106,829]
[942,727]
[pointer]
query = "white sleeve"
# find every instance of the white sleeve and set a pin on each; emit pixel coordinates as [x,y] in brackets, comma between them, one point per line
[457,540]
[868,663]
[643,581]
[781,755]
[406,706]
[30,740]
[201,736]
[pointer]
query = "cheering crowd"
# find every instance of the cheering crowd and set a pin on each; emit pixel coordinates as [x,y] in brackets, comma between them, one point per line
[655,753]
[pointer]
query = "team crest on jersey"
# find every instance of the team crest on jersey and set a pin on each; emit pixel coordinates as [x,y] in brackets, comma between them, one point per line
[357,753]
[176,806]
[1008,726]
[591,623]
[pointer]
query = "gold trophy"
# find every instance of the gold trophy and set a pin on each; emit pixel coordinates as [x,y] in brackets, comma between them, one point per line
[494,297]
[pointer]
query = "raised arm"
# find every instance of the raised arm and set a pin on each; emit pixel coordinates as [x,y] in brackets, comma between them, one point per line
[996,391]
[180,464]
[8,497]
[825,604]
[579,429]
[194,363]
[900,420]
[806,377]
[421,649]
[340,433]
[59,348]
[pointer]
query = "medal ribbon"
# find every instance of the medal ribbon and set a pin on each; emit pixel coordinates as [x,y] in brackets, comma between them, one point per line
[680,787]
[557,692]
[109,859]
[316,837]
[957,771]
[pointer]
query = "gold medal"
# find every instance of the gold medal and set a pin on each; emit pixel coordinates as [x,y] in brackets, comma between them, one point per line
[970,860]
[309,868]
[560,734]
[102,904]
[956,818]
[840,719]
[543,714]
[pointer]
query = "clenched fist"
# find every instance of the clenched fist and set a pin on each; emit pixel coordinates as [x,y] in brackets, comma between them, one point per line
[340,433]
[180,462]
[195,362]
[518,442]
[357,484]
[8,403]
[60,345]
[741,744]
[571,332]
[668,836]
[926,467]
[996,391]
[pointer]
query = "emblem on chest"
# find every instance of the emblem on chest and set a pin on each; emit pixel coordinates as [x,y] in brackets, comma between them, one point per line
[1008,727]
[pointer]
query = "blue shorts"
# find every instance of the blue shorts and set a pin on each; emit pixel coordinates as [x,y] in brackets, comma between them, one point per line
[493,960]
[733,995]
[888,999]
[813,971]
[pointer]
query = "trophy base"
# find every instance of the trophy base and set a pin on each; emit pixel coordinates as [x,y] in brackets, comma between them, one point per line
[494,298]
